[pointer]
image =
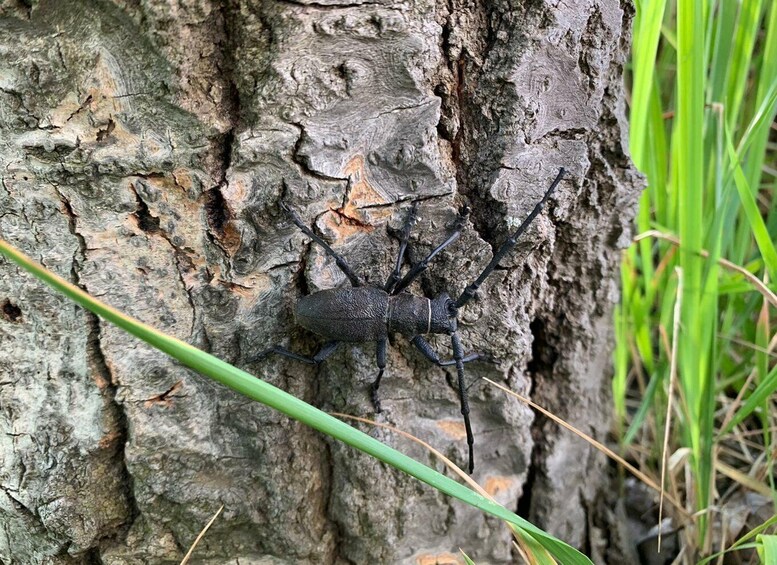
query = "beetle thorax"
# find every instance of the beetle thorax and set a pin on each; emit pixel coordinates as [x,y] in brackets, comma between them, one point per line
[416,315]
[409,315]
[443,314]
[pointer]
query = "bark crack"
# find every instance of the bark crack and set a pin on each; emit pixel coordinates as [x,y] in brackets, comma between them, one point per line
[97,360]
[216,208]
[303,163]
[332,7]
[151,225]
[540,368]
[458,117]
[29,512]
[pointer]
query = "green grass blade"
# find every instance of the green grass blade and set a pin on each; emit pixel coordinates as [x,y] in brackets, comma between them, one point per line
[693,350]
[647,30]
[621,362]
[725,30]
[256,389]
[644,409]
[750,206]
[741,543]
[764,390]
[767,549]
[537,554]
[744,40]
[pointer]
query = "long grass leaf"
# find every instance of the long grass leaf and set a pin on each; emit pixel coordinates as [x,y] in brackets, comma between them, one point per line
[749,205]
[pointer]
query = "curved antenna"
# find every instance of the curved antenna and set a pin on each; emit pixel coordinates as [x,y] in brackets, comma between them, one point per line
[508,245]
[341,263]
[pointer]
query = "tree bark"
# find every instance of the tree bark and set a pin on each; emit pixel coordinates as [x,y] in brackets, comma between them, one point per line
[145,148]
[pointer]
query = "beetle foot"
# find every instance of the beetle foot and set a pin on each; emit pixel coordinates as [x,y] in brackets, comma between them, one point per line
[260,356]
[375,399]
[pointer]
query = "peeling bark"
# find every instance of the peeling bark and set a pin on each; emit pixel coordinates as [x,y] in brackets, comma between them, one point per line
[145,148]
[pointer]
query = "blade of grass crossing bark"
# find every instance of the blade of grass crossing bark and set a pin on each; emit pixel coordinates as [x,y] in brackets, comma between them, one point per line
[256,389]
[532,551]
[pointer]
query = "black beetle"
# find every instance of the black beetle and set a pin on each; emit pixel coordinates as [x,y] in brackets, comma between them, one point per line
[365,313]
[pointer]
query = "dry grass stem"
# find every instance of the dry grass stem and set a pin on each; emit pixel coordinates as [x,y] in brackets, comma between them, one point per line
[669,395]
[598,445]
[189,553]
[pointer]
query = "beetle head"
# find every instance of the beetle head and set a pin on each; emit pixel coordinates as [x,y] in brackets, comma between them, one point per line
[444,314]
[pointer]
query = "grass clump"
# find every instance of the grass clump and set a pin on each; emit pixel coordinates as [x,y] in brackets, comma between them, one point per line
[695,328]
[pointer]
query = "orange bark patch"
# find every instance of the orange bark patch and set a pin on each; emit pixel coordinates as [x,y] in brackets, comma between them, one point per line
[230,238]
[183,179]
[453,429]
[438,559]
[351,218]
[109,440]
[498,484]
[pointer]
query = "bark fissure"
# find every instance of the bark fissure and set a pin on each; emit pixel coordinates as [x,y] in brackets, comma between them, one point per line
[216,208]
[333,7]
[97,356]
[152,226]
[10,311]
[540,368]
[304,166]
[109,390]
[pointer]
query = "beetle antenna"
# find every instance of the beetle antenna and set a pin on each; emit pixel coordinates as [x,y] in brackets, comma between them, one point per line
[422,265]
[339,261]
[508,245]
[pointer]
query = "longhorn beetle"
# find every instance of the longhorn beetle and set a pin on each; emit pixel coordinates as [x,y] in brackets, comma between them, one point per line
[365,313]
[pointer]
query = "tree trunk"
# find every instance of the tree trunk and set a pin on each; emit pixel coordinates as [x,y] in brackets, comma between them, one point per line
[146,146]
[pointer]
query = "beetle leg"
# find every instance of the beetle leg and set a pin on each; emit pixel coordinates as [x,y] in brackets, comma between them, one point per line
[394,277]
[458,359]
[508,245]
[458,355]
[423,346]
[326,350]
[381,357]
[341,264]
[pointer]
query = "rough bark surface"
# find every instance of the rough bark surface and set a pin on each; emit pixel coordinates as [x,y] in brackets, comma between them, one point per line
[144,148]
